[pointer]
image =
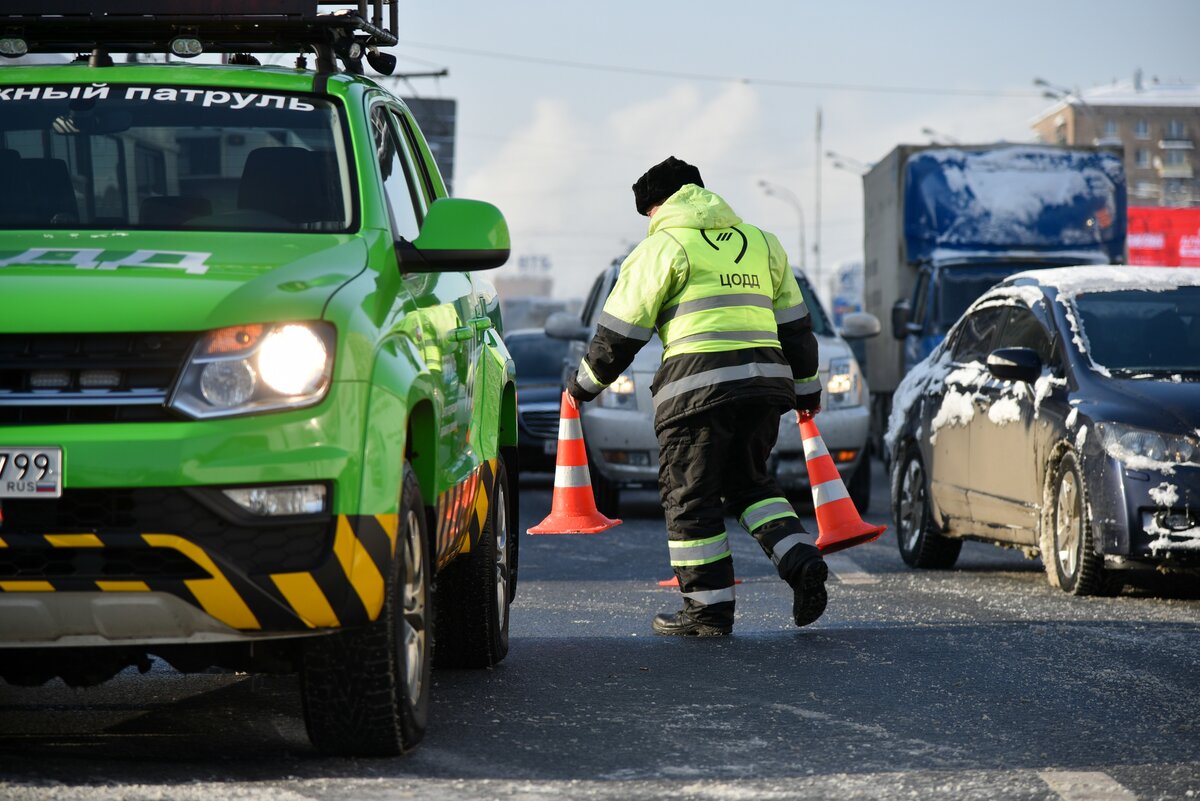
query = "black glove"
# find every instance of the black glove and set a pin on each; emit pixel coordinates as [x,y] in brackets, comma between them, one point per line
[809,403]
[577,392]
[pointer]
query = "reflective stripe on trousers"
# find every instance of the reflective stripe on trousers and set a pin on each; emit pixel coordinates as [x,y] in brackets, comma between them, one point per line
[775,543]
[690,553]
[759,514]
[710,597]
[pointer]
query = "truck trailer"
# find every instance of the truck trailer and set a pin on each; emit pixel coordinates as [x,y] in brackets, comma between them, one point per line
[943,223]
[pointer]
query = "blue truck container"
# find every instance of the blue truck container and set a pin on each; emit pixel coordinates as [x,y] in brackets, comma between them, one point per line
[942,224]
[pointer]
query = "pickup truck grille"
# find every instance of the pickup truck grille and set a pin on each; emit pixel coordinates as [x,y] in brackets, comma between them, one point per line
[88,378]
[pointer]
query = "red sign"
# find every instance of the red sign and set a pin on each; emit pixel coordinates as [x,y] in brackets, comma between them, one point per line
[1164,237]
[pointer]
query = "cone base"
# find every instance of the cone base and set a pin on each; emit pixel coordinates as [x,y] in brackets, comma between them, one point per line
[855,535]
[574,524]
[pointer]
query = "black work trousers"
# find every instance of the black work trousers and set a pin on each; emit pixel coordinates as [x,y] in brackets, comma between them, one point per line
[714,463]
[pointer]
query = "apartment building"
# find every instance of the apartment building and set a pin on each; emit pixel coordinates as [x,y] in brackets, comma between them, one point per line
[1157,124]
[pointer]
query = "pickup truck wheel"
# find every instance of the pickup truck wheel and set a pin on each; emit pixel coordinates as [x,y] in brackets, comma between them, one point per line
[920,545]
[473,592]
[1068,550]
[366,690]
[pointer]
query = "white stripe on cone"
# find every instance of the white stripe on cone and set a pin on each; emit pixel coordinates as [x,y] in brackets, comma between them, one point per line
[829,491]
[572,476]
[569,428]
[814,447]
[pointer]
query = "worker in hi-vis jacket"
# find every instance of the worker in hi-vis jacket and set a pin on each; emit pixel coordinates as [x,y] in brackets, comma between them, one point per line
[738,352]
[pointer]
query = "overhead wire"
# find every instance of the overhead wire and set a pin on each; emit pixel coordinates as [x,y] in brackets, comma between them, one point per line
[695,76]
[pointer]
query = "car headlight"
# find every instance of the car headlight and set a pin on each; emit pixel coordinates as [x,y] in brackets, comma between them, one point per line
[843,389]
[1122,442]
[620,394]
[256,368]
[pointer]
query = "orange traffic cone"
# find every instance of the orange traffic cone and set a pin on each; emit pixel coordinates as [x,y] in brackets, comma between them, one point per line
[838,523]
[572,508]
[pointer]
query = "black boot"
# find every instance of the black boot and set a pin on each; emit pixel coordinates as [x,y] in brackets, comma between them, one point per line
[808,588]
[680,624]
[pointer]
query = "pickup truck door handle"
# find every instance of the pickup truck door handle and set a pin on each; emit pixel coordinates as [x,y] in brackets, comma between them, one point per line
[476,325]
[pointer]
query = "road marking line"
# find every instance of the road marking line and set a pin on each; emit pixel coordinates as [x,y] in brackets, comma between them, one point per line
[848,571]
[1085,786]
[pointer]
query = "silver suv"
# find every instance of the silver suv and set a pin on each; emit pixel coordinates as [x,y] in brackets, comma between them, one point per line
[618,426]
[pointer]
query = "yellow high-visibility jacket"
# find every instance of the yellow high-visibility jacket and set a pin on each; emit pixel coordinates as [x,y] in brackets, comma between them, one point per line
[725,304]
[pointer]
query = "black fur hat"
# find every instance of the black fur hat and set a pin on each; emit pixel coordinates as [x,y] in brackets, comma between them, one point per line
[663,180]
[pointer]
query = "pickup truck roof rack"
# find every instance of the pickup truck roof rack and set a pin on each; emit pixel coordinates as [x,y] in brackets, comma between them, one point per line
[187,28]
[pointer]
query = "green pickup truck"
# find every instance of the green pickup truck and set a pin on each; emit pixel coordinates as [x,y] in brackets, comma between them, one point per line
[255,410]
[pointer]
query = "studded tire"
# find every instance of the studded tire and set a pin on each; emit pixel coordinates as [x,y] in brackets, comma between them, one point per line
[920,544]
[1067,539]
[366,691]
[473,591]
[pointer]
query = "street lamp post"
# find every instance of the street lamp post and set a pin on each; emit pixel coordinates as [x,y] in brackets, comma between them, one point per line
[847,163]
[787,196]
[934,136]
[1055,92]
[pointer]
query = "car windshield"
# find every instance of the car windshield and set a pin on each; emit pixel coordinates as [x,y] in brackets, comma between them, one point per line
[962,286]
[820,321]
[1140,331]
[160,157]
[538,357]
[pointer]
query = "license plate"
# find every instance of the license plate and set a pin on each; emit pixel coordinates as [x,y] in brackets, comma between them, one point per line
[550,447]
[30,472]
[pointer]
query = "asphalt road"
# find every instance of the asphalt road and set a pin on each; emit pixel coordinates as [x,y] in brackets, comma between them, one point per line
[977,683]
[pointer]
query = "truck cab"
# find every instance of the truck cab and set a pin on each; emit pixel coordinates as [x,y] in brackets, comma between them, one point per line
[942,293]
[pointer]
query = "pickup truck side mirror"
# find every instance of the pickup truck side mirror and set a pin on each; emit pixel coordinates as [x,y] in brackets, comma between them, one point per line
[457,235]
[564,325]
[901,310]
[860,325]
[1015,364]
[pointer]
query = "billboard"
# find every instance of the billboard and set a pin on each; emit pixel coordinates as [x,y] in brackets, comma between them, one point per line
[1167,237]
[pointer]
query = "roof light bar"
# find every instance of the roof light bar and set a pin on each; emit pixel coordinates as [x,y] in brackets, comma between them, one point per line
[187,28]
[186,46]
[13,47]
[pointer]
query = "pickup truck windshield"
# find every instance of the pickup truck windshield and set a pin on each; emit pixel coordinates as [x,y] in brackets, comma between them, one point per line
[156,157]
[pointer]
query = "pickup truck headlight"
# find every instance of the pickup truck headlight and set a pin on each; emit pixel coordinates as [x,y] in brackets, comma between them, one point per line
[843,389]
[1122,442]
[621,394]
[256,368]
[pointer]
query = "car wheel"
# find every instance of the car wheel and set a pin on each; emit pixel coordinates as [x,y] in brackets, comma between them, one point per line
[366,690]
[473,592]
[920,544]
[607,494]
[1068,546]
[859,486]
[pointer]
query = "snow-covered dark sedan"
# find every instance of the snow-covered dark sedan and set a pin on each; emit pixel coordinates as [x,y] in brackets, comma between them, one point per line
[1060,415]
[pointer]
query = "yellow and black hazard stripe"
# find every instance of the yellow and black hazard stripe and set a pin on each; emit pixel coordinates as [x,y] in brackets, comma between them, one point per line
[346,589]
[462,511]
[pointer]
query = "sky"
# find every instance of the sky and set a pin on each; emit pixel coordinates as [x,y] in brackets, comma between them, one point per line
[562,105]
